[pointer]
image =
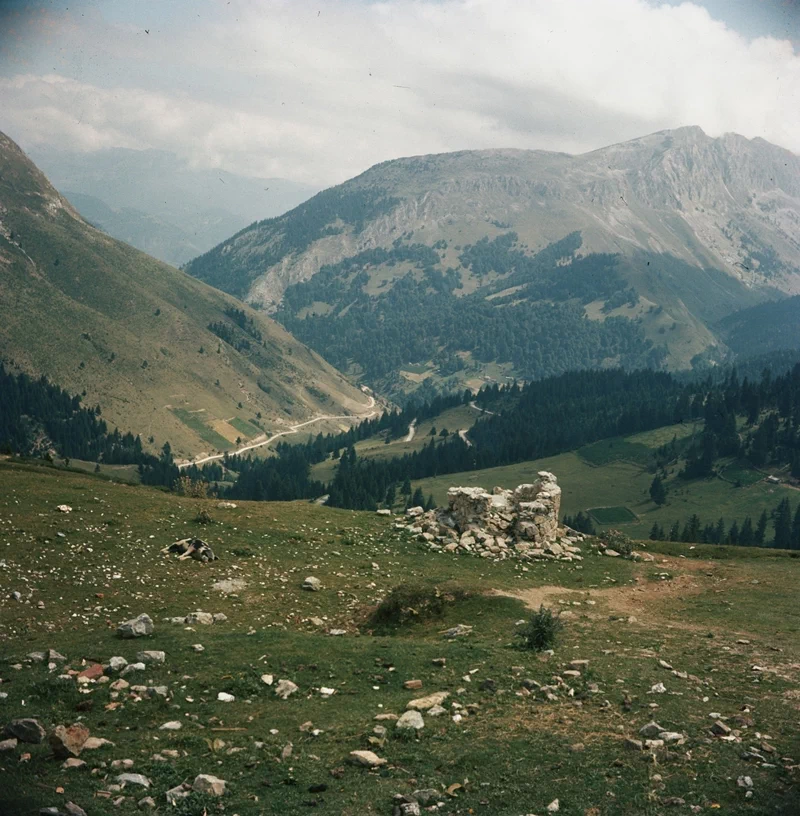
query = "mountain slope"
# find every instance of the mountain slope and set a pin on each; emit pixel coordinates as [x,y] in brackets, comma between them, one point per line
[163,354]
[695,228]
[155,201]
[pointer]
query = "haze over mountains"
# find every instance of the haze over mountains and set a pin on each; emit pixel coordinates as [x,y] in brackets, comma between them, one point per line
[157,202]
[693,227]
[163,354]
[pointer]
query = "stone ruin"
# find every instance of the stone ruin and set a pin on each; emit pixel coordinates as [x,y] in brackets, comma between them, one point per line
[519,523]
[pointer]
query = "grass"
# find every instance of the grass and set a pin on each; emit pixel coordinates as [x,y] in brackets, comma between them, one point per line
[248,429]
[194,420]
[742,473]
[130,328]
[612,515]
[514,755]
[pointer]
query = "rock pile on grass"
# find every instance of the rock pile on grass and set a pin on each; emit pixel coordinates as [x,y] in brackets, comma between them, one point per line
[519,523]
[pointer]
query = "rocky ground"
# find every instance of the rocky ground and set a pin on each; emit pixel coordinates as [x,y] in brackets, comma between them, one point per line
[132,681]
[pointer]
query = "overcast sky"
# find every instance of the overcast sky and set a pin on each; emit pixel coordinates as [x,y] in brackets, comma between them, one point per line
[319,91]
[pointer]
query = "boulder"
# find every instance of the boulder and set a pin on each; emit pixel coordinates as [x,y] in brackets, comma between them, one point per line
[312,584]
[429,701]
[136,627]
[209,785]
[411,720]
[151,657]
[133,779]
[366,759]
[68,741]
[26,730]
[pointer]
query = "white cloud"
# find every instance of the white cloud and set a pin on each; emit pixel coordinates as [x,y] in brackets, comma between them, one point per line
[319,91]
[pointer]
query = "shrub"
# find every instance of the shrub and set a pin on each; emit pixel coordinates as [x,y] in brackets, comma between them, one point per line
[541,630]
[617,541]
[203,517]
[409,603]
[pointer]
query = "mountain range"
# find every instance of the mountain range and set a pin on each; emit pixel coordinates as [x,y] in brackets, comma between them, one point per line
[639,249]
[164,355]
[159,203]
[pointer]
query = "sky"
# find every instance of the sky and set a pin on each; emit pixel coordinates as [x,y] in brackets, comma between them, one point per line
[318,91]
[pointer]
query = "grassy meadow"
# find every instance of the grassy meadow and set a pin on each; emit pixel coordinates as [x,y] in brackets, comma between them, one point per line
[726,618]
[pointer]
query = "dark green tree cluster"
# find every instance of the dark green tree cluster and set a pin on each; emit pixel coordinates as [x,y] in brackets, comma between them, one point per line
[538,325]
[785,530]
[580,522]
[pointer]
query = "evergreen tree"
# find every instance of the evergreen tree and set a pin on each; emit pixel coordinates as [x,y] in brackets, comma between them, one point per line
[391,496]
[782,522]
[656,532]
[719,531]
[733,534]
[760,537]
[430,504]
[658,492]
[406,488]
[418,499]
[795,543]
[675,531]
[747,534]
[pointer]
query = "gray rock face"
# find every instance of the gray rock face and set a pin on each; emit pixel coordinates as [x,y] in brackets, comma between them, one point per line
[26,730]
[136,627]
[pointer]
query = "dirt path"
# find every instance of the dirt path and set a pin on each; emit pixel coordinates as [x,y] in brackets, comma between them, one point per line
[474,405]
[463,434]
[293,429]
[642,600]
[412,429]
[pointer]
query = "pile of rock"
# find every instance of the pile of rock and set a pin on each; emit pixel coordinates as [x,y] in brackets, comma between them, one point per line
[519,523]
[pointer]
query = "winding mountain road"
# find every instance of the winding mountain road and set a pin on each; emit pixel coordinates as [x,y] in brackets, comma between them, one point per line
[293,429]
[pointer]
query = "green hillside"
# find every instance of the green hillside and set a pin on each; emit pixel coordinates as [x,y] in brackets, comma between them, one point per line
[718,627]
[132,334]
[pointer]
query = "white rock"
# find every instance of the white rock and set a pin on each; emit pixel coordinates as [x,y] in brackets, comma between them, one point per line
[224,697]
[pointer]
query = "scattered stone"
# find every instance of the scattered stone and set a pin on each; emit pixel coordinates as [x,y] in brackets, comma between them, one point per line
[285,688]
[148,803]
[224,697]
[68,741]
[267,679]
[411,720]
[133,779]
[312,584]
[652,729]
[554,806]
[203,618]
[744,782]
[634,744]
[174,795]
[209,785]
[457,631]
[439,661]
[151,657]
[412,684]
[658,688]
[136,627]
[73,763]
[116,664]
[8,744]
[93,743]
[366,759]
[719,729]
[172,725]
[26,730]
[91,672]
[63,508]
[429,701]
[74,810]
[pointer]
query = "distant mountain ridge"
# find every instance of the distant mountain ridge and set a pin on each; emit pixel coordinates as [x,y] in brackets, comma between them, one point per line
[694,228]
[158,203]
[165,356]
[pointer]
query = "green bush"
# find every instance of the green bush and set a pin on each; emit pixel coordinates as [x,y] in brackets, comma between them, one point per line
[409,603]
[617,541]
[541,630]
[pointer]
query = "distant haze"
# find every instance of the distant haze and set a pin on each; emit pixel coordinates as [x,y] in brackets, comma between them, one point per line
[317,92]
[155,201]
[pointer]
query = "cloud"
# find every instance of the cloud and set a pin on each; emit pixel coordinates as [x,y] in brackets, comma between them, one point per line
[317,92]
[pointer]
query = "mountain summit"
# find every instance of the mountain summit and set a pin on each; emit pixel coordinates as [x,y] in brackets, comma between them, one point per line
[730,203]
[443,266]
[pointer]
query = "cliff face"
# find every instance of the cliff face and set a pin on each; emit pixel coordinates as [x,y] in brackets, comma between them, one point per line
[729,203]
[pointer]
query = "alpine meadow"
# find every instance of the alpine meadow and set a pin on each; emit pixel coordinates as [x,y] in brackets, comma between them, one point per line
[400,408]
